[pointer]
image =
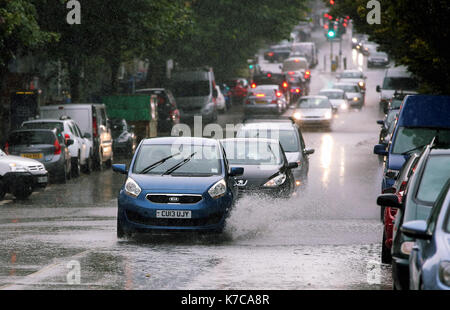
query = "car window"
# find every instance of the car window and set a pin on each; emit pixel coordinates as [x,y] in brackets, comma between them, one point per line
[31,138]
[73,130]
[288,138]
[404,83]
[78,130]
[409,138]
[44,125]
[351,75]
[332,95]
[436,173]
[252,152]
[313,103]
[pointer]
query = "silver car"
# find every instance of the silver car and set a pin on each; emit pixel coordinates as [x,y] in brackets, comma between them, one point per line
[313,111]
[355,94]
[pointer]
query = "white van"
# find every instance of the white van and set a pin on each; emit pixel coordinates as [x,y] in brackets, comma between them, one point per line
[295,64]
[396,79]
[308,49]
[94,125]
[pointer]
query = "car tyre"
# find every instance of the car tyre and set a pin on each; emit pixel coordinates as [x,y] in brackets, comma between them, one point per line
[24,192]
[386,257]
[76,168]
[2,191]
[87,168]
[98,161]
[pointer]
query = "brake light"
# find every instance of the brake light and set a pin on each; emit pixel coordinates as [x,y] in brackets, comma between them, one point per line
[67,137]
[7,148]
[297,60]
[285,84]
[278,94]
[270,54]
[291,72]
[94,127]
[57,148]
[297,90]
[269,75]
[253,85]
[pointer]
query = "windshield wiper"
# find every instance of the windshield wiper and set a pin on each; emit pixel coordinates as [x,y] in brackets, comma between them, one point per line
[158,163]
[179,165]
[414,149]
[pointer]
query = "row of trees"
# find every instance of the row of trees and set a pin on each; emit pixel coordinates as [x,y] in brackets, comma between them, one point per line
[219,33]
[414,33]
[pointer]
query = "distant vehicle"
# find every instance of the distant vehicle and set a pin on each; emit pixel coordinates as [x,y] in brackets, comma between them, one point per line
[310,51]
[277,53]
[295,65]
[266,168]
[168,113]
[265,99]
[270,78]
[20,176]
[388,214]
[47,146]
[353,76]
[176,184]
[422,117]
[431,174]
[290,137]
[395,79]
[377,59]
[314,111]
[429,262]
[239,89]
[298,86]
[93,123]
[337,97]
[124,139]
[81,148]
[355,95]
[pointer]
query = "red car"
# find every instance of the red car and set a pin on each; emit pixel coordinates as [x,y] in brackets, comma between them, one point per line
[389,213]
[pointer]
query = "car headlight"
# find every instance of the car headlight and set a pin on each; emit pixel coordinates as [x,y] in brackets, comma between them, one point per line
[406,247]
[218,190]
[276,181]
[328,115]
[361,84]
[17,168]
[132,188]
[444,272]
[297,115]
[344,106]
[355,99]
[354,40]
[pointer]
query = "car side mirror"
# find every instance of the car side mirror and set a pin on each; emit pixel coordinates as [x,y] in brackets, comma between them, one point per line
[389,200]
[69,142]
[309,151]
[380,149]
[380,122]
[292,165]
[378,89]
[416,230]
[392,175]
[236,171]
[87,135]
[120,168]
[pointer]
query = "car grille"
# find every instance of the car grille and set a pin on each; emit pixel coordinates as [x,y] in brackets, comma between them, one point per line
[36,168]
[174,199]
[139,219]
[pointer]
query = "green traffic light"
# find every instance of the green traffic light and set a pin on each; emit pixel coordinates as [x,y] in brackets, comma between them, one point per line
[250,66]
[331,34]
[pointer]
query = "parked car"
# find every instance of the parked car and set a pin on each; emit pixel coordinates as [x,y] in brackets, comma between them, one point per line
[47,146]
[266,168]
[81,148]
[314,111]
[355,95]
[337,97]
[93,123]
[168,113]
[124,139]
[290,136]
[421,118]
[353,76]
[20,176]
[264,99]
[429,262]
[176,184]
[431,174]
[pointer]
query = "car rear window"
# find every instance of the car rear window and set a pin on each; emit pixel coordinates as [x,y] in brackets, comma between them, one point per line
[31,137]
[288,138]
[44,125]
[435,175]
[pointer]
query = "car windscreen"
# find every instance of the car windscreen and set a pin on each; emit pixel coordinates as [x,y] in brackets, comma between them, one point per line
[351,75]
[191,88]
[31,138]
[313,103]
[252,152]
[347,88]
[275,79]
[288,138]
[410,138]
[435,175]
[205,161]
[44,125]
[293,65]
[403,83]
[332,95]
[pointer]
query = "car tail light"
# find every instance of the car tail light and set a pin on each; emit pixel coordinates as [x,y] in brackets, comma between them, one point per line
[94,127]
[291,72]
[253,85]
[7,148]
[297,90]
[57,147]
[393,211]
[278,94]
[270,54]
[67,137]
[269,75]
[285,84]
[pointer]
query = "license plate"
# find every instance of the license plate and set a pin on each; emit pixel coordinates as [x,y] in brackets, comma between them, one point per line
[42,179]
[173,214]
[260,102]
[32,156]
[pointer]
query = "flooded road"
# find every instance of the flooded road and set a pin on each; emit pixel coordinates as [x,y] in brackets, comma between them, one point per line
[328,236]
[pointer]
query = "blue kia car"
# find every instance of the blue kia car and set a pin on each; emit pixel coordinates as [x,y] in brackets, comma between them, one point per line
[421,118]
[429,262]
[176,184]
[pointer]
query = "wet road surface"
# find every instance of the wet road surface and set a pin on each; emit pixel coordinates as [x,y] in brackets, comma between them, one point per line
[328,236]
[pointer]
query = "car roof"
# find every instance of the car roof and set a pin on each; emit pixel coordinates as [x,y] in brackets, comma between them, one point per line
[250,140]
[351,71]
[54,130]
[335,90]
[42,120]
[180,140]
[314,97]
[346,83]
[270,86]
[432,109]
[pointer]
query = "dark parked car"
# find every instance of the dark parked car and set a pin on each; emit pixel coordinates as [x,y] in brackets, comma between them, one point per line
[168,113]
[266,168]
[46,146]
[124,139]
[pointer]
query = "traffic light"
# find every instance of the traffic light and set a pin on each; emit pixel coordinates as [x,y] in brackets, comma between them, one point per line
[251,66]
[331,34]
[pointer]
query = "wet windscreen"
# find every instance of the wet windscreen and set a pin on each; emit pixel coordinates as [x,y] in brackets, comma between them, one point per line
[44,125]
[293,65]
[205,161]
[404,83]
[288,138]
[347,88]
[435,175]
[252,152]
[191,88]
[332,95]
[408,139]
[313,103]
[31,138]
